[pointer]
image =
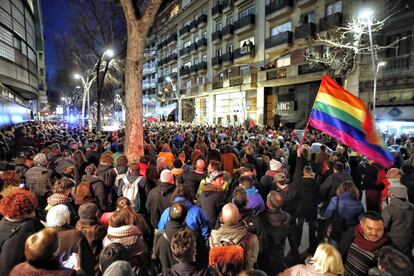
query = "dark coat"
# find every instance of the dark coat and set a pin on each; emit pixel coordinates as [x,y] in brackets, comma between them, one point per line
[187,269]
[329,186]
[308,192]
[407,179]
[99,190]
[12,251]
[211,201]
[143,190]
[272,228]
[162,246]
[92,157]
[399,222]
[350,209]
[107,175]
[50,268]
[159,199]
[72,241]
[213,155]
[193,180]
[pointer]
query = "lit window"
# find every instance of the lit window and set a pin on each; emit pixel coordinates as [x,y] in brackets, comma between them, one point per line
[333,8]
[283,61]
[247,41]
[285,27]
[246,12]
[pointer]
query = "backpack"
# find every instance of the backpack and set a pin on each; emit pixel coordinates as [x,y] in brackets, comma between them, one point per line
[227,252]
[131,191]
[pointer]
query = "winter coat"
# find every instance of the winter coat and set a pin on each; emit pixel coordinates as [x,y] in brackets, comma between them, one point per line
[272,228]
[162,246]
[72,241]
[99,190]
[107,174]
[229,162]
[399,222]
[12,251]
[211,201]
[39,180]
[308,192]
[407,179]
[329,186]
[143,190]
[304,270]
[193,180]
[213,155]
[196,220]
[187,269]
[235,234]
[255,200]
[159,199]
[50,268]
[350,209]
[92,157]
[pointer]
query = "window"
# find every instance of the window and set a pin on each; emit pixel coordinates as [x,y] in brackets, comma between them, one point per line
[196,39]
[195,61]
[17,43]
[308,18]
[246,12]
[221,76]
[402,47]
[244,70]
[204,35]
[187,43]
[333,8]
[245,42]
[218,25]
[219,52]
[228,72]
[174,69]
[188,63]
[285,27]
[229,21]
[283,61]
[229,48]
[204,58]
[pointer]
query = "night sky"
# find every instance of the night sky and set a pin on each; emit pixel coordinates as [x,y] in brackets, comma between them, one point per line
[55,21]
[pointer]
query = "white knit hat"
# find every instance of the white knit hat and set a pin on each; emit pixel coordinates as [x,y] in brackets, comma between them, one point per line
[123,231]
[275,165]
[167,177]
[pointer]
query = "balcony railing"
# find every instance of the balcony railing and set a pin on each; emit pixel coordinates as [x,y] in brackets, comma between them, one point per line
[236,81]
[184,71]
[216,36]
[193,47]
[309,68]
[244,51]
[330,21]
[276,74]
[217,84]
[216,60]
[185,51]
[193,68]
[398,62]
[184,30]
[202,66]
[227,5]
[193,25]
[276,40]
[274,6]
[245,21]
[202,43]
[202,20]
[305,30]
[172,38]
[228,30]
[216,10]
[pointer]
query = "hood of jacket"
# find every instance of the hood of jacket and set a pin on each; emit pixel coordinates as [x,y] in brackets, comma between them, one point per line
[166,188]
[103,168]
[233,233]
[91,179]
[405,205]
[276,217]
[209,189]
[252,191]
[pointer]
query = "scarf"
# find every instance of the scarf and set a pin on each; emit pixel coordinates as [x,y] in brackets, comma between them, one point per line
[365,244]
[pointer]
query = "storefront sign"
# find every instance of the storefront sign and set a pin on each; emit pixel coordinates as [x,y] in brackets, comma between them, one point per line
[286,106]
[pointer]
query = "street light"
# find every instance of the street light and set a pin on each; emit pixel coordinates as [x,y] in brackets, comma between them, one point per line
[367,15]
[174,89]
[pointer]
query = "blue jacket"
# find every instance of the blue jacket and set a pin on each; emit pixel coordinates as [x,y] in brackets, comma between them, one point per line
[255,200]
[350,209]
[196,220]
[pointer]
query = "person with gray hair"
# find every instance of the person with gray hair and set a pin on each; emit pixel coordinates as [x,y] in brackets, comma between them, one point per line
[70,240]
[39,178]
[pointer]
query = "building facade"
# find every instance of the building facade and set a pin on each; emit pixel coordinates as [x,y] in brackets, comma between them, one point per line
[234,61]
[22,65]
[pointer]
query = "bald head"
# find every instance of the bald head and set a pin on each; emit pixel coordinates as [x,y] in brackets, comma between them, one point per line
[200,165]
[230,214]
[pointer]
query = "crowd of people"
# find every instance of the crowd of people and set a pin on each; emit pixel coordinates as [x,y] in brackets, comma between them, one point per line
[202,200]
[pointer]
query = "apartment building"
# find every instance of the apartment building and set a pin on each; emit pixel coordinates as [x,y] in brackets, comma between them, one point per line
[237,60]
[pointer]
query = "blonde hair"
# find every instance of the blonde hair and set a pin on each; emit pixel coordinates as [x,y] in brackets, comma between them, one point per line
[327,260]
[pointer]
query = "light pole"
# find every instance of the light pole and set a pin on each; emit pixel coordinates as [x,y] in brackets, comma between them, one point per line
[379,65]
[366,15]
[178,97]
[67,106]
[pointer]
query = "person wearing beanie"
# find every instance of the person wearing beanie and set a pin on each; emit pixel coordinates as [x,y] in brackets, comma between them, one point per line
[70,239]
[39,178]
[119,268]
[91,228]
[97,186]
[177,171]
[266,181]
[167,155]
[399,219]
[160,197]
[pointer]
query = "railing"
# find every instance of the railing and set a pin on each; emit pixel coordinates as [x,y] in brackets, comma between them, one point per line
[202,42]
[227,57]
[248,50]
[184,71]
[217,84]
[330,21]
[309,68]
[398,62]
[285,37]
[245,21]
[276,74]
[305,30]
[278,5]
[216,35]
[202,66]
[216,10]
[185,50]
[202,19]
[216,60]
[184,30]
[229,29]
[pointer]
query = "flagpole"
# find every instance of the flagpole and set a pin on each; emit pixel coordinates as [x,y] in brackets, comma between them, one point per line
[304,133]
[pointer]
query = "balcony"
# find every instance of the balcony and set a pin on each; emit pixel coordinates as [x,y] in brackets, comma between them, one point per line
[184,31]
[216,11]
[174,76]
[398,63]
[239,2]
[193,69]
[193,26]
[227,32]
[244,24]
[172,58]
[202,67]
[330,21]
[172,39]
[216,62]
[218,84]
[305,30]
[184,71]
[244,54]
[193,48]
[185,51]
[304,3]
[216,37]
[278,9]
[202,21]
[202,44]
[227,58]
[274,45]
[309,68]
[280,73]
[227,5]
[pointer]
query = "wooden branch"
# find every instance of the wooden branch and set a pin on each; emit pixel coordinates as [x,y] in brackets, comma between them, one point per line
[129,10]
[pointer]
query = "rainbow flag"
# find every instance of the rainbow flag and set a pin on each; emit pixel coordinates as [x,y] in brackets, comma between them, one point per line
[345,117]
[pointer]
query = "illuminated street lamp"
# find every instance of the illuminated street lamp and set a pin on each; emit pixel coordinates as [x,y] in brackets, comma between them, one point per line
[178,97]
